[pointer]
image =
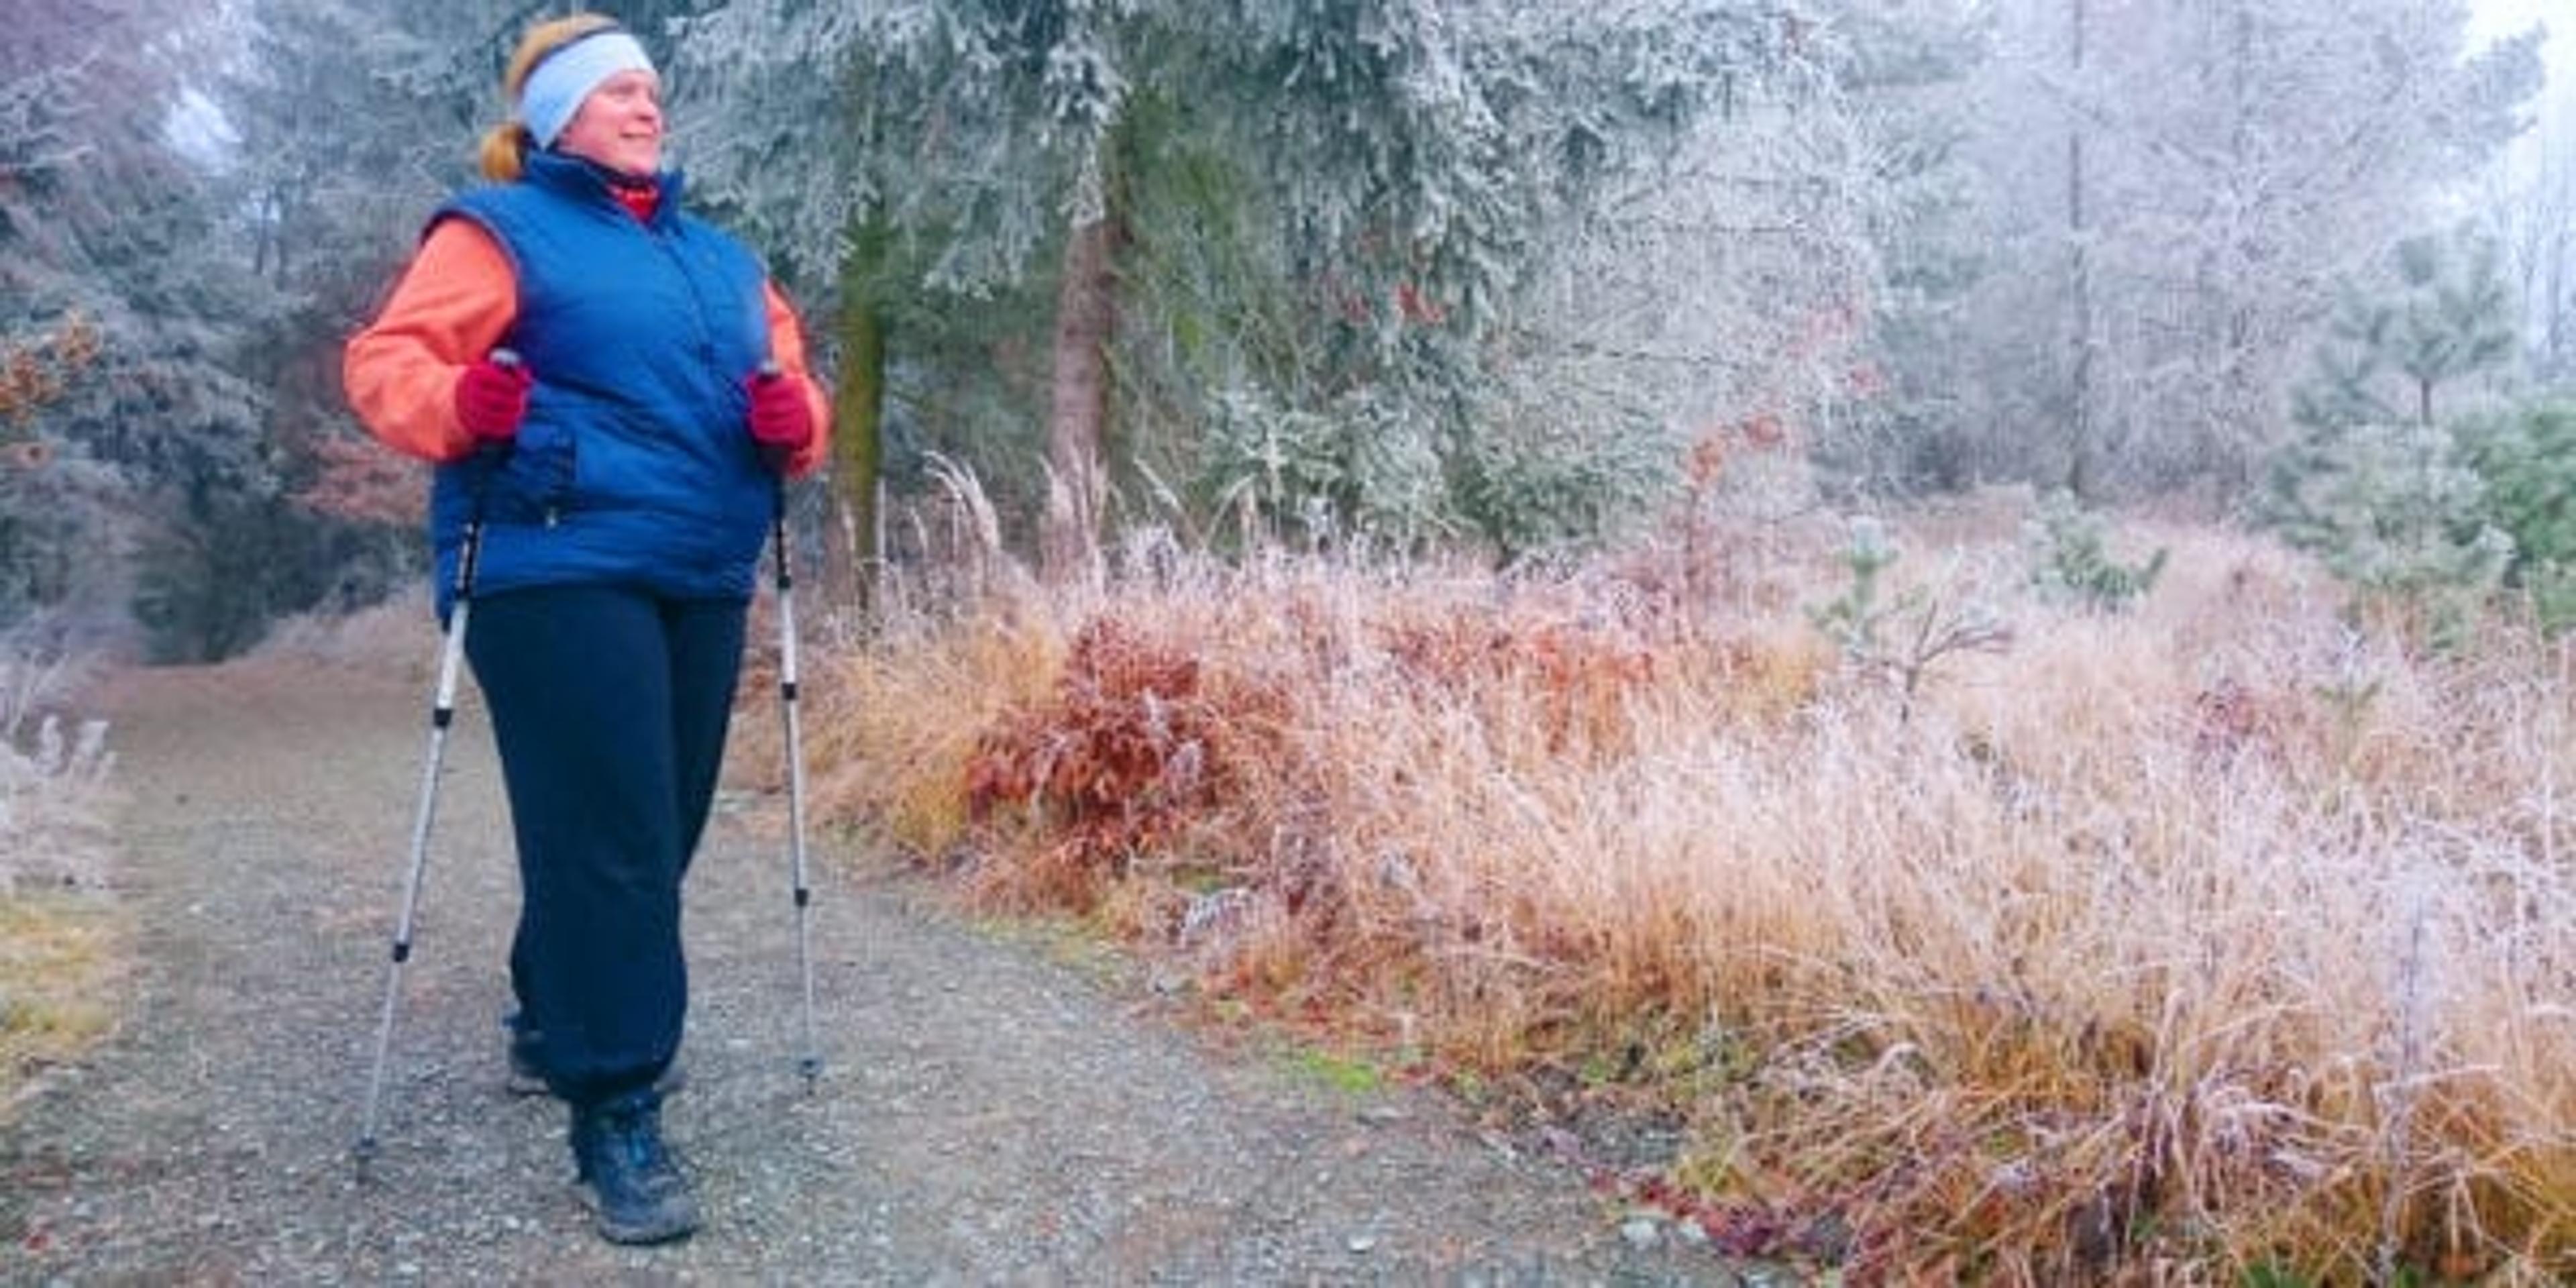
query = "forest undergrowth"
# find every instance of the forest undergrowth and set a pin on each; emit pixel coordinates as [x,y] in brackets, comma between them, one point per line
[2213,938]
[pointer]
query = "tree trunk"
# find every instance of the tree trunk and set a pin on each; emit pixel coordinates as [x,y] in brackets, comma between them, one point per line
[850,552]
[851,544]
[2238,433]
[1086,310]
[2079,466]
[2557,330]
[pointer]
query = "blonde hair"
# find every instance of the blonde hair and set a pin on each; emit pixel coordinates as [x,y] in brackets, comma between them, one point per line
[503,155]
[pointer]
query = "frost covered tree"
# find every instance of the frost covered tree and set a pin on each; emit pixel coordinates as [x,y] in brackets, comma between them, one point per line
[220,189]
[1375,181]
[1896,410]
[2533,215]
[327,173]
[102,217]
[2238,159]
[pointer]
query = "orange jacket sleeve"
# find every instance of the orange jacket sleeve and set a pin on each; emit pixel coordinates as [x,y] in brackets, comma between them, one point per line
[452,305]
[787,349]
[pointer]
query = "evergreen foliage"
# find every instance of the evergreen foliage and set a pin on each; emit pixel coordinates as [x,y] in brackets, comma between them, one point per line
[2071,557]
[101,216]
[329,204]
[41,530]
[2526,460]
[1322,211]
[1540,480]
[2396,512]
[1900,638]
[1354,472]
[1855,618]
[1913,75]
[2446,317]
[208,588]
[1478,273]
[2379,484]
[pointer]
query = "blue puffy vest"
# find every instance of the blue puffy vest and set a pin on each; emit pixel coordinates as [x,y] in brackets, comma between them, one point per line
[634,466]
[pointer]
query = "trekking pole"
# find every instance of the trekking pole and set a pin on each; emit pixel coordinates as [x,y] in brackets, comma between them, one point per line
[442,713]
[810,1061]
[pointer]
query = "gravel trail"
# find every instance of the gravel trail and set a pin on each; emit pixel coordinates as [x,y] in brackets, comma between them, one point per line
[990,1111]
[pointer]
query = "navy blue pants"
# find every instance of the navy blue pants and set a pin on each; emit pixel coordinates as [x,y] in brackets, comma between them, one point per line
[609,706]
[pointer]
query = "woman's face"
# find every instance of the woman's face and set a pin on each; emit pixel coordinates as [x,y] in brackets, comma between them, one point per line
[619,125]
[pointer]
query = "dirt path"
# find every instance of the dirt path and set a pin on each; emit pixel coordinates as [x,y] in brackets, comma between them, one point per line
[988,1112]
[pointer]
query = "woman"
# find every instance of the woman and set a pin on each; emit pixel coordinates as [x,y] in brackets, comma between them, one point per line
[614,388]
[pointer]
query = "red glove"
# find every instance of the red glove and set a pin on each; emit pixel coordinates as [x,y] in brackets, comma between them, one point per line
[782,421]
[491,400]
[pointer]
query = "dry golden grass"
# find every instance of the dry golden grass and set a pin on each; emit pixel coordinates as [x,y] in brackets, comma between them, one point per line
[2163,946]
[58,957]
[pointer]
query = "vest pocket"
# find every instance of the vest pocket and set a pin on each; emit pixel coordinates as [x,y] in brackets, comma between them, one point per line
[534,482]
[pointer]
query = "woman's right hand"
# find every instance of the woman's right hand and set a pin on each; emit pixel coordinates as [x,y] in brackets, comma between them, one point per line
[492,398]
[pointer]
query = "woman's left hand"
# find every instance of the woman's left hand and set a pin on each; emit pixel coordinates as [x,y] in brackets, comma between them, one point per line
[782,421]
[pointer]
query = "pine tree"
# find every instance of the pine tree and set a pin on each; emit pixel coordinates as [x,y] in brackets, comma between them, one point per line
[2445,317]
[1392,170]
[2383,483]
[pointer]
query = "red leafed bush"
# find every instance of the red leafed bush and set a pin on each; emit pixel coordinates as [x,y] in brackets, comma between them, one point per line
[1130,747]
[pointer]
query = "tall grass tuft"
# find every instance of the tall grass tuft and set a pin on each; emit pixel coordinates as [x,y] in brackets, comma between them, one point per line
[53,774]
[2207,940]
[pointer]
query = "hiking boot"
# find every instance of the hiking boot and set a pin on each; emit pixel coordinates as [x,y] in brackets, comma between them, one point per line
[625,1175]
[524,1078]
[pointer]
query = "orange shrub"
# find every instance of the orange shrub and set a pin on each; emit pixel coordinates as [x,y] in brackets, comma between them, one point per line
[1131,746]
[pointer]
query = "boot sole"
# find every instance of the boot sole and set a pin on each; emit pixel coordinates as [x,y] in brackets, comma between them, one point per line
[671,1227]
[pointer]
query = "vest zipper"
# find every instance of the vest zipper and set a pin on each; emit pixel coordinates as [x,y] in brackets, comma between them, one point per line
[662,240]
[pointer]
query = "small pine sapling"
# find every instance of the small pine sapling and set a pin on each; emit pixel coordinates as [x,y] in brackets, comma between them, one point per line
[2070,547]
[1900,640]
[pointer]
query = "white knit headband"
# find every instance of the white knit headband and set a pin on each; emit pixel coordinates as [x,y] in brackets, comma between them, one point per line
[564,78]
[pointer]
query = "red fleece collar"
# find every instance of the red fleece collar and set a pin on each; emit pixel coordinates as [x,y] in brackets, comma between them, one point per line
[643,200]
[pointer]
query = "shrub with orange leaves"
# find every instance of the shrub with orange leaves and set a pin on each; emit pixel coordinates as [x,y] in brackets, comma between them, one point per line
[38,371]
[1133,744]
